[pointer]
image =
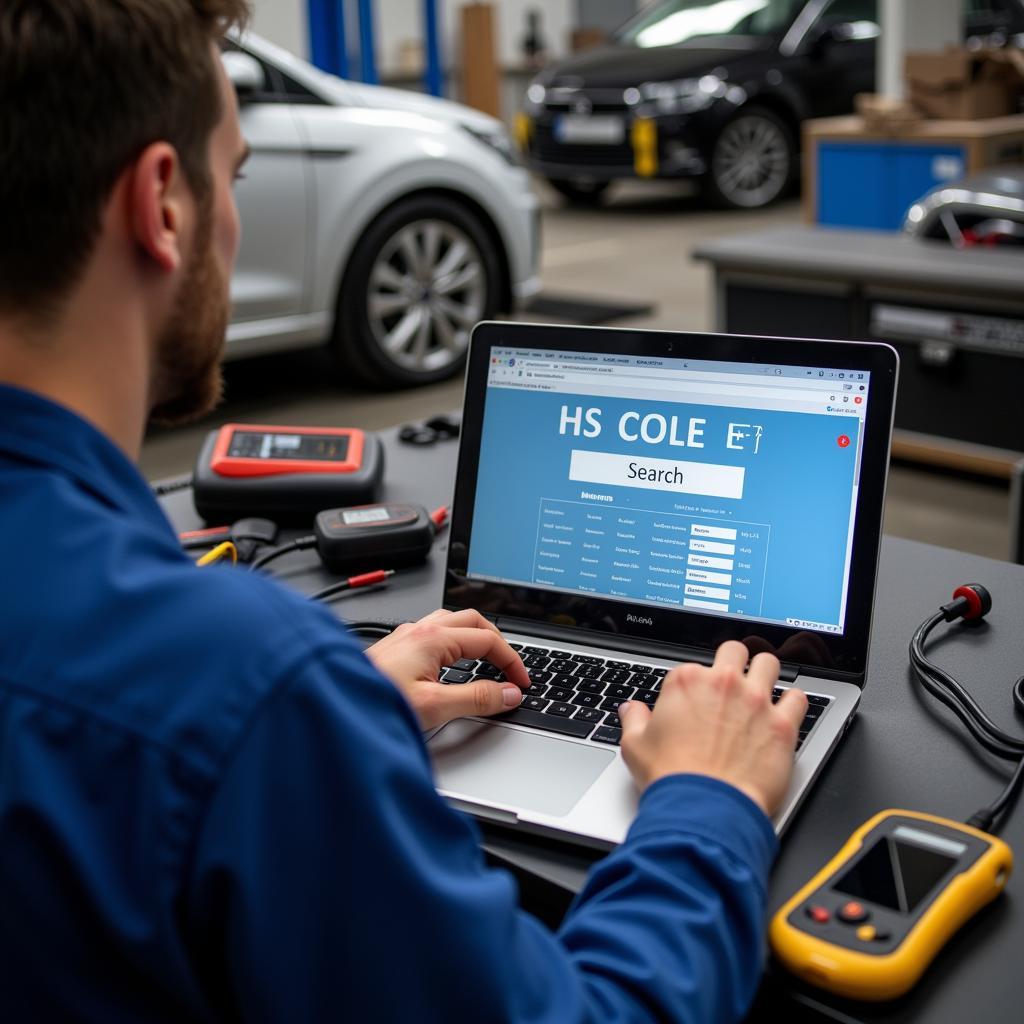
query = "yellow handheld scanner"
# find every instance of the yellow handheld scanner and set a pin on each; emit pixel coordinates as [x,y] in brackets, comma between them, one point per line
[870,922]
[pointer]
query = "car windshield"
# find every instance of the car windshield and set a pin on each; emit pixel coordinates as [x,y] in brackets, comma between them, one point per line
[677,22]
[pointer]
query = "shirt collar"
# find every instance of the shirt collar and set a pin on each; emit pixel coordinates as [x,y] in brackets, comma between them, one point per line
[35,429]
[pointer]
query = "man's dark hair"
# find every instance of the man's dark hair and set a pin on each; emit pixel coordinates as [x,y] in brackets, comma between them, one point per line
[85,86]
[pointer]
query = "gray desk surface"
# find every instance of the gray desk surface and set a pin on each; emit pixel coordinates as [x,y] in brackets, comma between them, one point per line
[875,257]
[902,750]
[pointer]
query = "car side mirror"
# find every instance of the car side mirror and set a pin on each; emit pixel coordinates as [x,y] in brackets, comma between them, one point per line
[841,32]
[245,73]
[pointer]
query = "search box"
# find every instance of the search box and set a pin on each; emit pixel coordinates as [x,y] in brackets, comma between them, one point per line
[657,474]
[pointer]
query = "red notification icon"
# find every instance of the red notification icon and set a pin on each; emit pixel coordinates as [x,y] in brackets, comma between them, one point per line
[843,441]
[858,399]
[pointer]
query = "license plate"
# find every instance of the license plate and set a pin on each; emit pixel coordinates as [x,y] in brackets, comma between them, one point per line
[604,129]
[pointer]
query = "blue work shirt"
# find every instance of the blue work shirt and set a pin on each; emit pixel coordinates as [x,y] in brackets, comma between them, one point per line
[213,807]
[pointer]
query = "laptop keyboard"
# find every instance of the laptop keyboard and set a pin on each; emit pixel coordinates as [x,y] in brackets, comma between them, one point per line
[579,694]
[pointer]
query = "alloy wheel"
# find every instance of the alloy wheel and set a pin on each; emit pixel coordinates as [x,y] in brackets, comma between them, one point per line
[427,290]
[752,161]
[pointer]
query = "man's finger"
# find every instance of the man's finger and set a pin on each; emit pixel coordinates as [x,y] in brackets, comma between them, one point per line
[764,670]
[732,654]
[482,643]
[793,704]
[634,715]
[480,698]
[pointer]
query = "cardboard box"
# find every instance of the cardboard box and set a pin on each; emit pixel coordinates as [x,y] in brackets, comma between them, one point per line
[963,84]
[885,115]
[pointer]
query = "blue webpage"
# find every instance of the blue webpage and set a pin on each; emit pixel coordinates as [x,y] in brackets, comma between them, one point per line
[713,488]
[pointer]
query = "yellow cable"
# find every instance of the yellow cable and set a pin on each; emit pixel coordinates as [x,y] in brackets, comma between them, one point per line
[218,554]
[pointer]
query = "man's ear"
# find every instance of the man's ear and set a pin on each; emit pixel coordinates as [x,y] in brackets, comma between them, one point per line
[157,195]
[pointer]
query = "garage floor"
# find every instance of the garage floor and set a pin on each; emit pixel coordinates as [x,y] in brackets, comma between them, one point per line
[634,250]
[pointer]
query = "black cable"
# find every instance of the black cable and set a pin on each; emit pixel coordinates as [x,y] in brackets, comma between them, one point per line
[180,483]
[946,689]
[299,544]
[369,628]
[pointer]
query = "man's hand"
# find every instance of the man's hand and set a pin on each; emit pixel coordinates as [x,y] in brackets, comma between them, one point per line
[719,722]
[413,654]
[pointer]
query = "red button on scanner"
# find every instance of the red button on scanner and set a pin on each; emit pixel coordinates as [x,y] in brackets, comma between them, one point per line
[853,912]
[819,915]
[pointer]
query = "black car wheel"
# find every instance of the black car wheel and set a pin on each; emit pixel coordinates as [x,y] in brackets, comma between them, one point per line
[423,274]
[753,161]
[579,191]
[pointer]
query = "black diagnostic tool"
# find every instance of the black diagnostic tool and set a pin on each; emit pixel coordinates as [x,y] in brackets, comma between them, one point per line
[286,474]
[385,536]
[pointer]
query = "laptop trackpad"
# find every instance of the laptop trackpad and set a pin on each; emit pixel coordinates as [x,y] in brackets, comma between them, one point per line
[527,770]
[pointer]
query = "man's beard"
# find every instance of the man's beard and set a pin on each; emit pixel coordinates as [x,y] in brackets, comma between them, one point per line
[187,378]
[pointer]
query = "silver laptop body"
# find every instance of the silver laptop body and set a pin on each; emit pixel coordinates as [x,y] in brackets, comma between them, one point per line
[619,494]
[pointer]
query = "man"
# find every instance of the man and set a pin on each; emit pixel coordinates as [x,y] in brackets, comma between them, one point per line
[212,804]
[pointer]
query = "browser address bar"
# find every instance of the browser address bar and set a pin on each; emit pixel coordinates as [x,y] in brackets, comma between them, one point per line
[726,389]
[643,373]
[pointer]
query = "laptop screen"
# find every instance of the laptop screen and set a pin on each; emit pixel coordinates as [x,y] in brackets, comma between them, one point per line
[719,488]
[641,489]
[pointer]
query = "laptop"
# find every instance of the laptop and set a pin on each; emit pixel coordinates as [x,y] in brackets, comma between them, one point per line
[627,500]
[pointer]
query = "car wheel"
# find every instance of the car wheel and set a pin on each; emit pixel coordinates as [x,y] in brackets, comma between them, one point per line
[424,273]
[579,191]
[753,160]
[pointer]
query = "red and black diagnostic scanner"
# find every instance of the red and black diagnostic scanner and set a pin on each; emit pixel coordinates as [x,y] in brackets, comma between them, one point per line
[286,474]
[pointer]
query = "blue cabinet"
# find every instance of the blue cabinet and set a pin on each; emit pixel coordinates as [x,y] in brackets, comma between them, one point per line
[872,184]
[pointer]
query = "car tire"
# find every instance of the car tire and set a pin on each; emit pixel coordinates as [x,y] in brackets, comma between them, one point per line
[422,275]
[753,161]
[580,192]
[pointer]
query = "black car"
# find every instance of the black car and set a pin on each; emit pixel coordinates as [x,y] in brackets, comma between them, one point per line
[714,90]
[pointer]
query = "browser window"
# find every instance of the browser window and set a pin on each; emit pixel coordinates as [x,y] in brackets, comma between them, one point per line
[715,488]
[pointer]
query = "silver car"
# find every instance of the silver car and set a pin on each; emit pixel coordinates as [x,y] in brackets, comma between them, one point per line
[383,222]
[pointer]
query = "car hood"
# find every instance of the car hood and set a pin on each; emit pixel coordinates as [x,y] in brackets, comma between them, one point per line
[619,67]
[342,92]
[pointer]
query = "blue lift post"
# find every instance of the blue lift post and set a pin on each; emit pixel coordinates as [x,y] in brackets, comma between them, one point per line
[435,74]
[327,46]
[367,53]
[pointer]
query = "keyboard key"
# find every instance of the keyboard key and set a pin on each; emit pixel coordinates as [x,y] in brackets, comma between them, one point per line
[453,675]
[486,670]
[819,700]
[625,692]
[814,711]
[534,703]
[616,675]
[550,723]
[562,710]
[586,700]
[659,672]
[608,735]
[464,664]
[611,703]
[588,715]
[589,686]
[641,668]
[776,694]
[536,661]
[622,665]
[612,720]
[540,675]
[536,690]
[588,671]
[560,679]
[560,693]
[587,659]
[647,697]
[534,650]
[645,681]
[562,665]
[516,647]
[560,654]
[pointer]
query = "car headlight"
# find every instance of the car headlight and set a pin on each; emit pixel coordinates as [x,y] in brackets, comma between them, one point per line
[498,140]
[535,96]
[684,96]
